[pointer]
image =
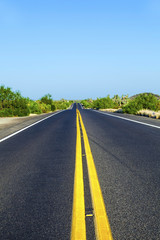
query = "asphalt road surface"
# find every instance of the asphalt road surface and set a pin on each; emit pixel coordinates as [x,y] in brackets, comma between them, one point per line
[37,177]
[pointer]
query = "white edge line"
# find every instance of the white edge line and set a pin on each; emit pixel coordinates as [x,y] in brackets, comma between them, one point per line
[147,124]
[21,130]
[71,107]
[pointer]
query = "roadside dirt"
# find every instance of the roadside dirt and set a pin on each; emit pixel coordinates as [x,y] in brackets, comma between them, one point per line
[10,121]
[9,125]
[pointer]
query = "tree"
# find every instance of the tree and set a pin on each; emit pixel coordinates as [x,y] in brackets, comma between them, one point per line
[47,99]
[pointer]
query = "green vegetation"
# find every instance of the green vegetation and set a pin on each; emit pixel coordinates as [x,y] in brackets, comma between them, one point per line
[34,107]
[106,102]
[13,104]
[134,96]
[87,103]
[142,101]
[128,105]
[62,104]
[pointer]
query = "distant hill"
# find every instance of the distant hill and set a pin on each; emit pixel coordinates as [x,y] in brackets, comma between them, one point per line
[134,96]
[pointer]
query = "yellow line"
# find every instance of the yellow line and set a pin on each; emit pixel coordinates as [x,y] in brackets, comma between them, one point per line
[102,227]
[78,230]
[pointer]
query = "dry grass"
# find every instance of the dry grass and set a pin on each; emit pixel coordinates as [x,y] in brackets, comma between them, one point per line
[149,113]
[119,110]
[143,112]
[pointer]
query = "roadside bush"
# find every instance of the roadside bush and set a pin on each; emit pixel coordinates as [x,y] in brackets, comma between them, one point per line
[47,99]
[87,103]
[13,104]
[34,107]
[53,107]
[45,108]
[21,112]
[158,105]
[6,112]
[62,104]
[20,107]
[142,101]
[104,103]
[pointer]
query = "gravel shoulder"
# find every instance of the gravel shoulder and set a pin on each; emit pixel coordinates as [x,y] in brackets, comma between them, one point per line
[9,125]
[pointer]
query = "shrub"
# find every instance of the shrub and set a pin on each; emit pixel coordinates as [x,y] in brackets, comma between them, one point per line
[158,105]
[62,104]
[53,107]
[104,103]
[47,99]
[20,107]
[21,112]
[87,103]
[142,101]
[13,104]
[6,112]
[34,107]
[45,108]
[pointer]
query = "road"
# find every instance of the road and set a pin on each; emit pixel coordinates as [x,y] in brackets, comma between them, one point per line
[37,169]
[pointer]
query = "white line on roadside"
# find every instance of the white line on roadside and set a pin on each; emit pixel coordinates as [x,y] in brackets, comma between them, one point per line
[147,124]
[21,130]
[71,107]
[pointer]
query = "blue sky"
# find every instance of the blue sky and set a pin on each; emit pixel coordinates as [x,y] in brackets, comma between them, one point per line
[78,49]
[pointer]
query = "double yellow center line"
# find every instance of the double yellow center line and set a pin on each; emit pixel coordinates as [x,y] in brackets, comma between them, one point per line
[102,227]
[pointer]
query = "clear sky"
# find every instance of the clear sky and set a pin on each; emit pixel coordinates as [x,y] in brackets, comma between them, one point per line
[78,49]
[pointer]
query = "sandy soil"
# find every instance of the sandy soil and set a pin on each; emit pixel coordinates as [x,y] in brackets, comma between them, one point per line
[143,112]
[6,122]
[9,125]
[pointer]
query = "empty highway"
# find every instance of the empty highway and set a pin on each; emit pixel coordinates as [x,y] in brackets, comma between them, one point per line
[38,178]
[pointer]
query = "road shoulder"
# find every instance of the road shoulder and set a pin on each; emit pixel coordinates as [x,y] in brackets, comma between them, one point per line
[9,125]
